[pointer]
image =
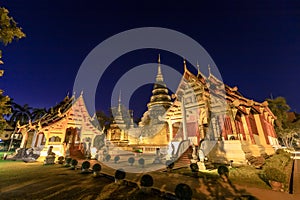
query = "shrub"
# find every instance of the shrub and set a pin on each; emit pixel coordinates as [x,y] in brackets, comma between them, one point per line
[116,159]
[68,161]
[74,162]
[142,162]
[274,174]
[107,158]
[170,164]
[146,180]
[120,174]
[223,172]
[86,165]
[131,160]
[194,167]
[60,160]
[97,167]
[183,191]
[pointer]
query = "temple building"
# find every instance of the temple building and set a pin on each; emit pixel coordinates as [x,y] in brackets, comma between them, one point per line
[204,113]
[214,117]
[68,128]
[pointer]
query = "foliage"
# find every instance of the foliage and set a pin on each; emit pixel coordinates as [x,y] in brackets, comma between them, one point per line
[146,180]
[274,174]
[8,32]
[107,158]
[74,162]
[120,174]
[223,170]
[60,159]
[131,160]
[183,191]
[170,164]
[116,159]
[96,167]
[142,162]
[286,129]
[194,167]
[86,165]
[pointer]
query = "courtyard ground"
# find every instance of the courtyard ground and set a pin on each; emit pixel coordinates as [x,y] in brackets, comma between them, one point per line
[19,180]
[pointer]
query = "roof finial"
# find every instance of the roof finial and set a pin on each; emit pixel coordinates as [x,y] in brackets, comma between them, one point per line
[159,76]
[184,64]
[198,67]
[81,93]
[209,72]
[159,58]
[119,104]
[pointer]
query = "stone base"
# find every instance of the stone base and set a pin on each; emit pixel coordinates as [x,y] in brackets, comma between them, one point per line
[201,166]
[226,151]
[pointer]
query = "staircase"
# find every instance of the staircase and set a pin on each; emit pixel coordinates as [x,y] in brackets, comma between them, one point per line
[185,159]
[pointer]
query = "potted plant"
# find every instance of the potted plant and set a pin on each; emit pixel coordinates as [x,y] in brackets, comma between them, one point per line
[169,165]
[146,183]
[275,177]
[131,160]
[68,162]
[142,162]
[85,167]
[74,163]
[60,160]
[96,169]
[119,175]
[116,159]
[223,172]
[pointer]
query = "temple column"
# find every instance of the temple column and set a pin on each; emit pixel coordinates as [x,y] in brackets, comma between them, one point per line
[170,129]
[184,128]
[260,130]
[246,130]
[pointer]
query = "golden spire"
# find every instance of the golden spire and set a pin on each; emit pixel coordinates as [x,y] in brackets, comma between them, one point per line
[159,76]
[119,104]
[184,64]
[198,68]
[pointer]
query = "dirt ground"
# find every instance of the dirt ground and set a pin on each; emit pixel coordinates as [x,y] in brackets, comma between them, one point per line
[19,180]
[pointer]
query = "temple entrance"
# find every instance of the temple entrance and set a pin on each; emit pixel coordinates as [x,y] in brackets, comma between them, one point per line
[72,140]
[40,140]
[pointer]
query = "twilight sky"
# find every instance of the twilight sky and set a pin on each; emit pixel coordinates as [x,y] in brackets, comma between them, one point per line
[255,45]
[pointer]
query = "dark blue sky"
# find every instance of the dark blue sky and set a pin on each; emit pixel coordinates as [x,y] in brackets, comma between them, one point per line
[255,45]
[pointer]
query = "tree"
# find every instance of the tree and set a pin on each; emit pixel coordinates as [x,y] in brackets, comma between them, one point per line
[286,129]
[20,113]
[9,31]
[38,113]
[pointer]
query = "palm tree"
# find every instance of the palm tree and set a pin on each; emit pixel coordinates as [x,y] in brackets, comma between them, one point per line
[20,113]
[38,113]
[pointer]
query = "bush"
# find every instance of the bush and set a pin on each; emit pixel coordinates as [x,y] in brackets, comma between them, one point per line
[194,167]
[183,191]
[68,161]
[86,165]
[223,170]
[146,180]
[131,160]
[170,164]
[74,162]
[60,160]
[120,174]
[116,159]
[142,162]
[274,174]
[97,167]
[107,158]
